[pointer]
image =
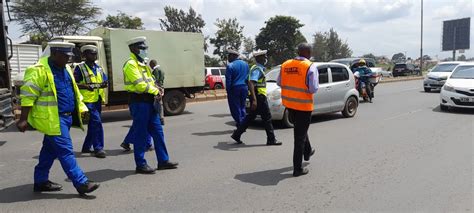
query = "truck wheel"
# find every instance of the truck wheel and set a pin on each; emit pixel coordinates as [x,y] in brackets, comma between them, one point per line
[174,102]
[218,86]
[287,122]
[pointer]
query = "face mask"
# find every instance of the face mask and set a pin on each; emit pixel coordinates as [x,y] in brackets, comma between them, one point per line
[143,54]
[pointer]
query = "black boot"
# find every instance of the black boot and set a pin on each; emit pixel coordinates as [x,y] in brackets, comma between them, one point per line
[47,186]
[168,165]
[299,172]
[236,137]
[274,142]
[126,146]
[145,170]
[308,156]
[87,187]
[100,154]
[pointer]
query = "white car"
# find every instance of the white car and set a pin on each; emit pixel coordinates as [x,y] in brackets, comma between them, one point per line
[436,78]
[458,91]
[336,92]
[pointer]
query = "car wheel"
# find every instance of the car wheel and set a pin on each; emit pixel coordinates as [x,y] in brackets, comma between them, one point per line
[427,89]
[350,109]
[443,107]
[218,86]
[287,122]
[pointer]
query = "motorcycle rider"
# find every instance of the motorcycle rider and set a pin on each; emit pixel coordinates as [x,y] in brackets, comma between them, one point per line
[364,74]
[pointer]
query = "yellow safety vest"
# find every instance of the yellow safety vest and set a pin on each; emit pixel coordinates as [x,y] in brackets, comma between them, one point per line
[261,86]
[137,77]
[88,77]
[39,92]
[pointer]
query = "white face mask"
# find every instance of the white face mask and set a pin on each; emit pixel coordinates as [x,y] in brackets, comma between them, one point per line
[143,54]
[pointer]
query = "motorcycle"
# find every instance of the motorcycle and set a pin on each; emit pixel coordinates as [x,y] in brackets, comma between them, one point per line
[365,84]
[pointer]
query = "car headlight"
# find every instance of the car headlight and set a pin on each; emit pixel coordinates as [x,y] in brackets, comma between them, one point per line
[275,95]
[448,88]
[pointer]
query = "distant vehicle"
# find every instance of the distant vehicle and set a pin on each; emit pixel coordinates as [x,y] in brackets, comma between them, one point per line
[215,77]
[405,69]
[382,72]
[458,91]
[436,78]
[337,92]
[352,62]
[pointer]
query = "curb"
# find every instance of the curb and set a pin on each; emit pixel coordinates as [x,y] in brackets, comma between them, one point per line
[400,79]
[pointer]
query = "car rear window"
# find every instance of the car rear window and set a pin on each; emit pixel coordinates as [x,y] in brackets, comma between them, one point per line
[339,74]
[323,75]
[444,68]
[398,66]
[223,71]
[215,72]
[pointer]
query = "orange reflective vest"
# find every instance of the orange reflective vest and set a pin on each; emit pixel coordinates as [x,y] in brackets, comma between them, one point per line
[294,90]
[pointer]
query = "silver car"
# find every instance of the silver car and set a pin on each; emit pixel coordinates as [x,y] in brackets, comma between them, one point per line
[437,76]
[336,92]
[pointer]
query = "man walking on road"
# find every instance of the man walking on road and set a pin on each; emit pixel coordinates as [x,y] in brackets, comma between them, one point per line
[258,100]
[92,81]
[298,80]
[51,103]
[139,83]
[236,85]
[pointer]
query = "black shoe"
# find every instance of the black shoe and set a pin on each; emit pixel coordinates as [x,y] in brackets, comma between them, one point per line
[298,173]
[168,165]
[274,143]
[145,170]
[126,146]
[307,157]
[162,121]
[100,154]
[47,186]
[86,151]
[236,138]
[150,149]
[88,187]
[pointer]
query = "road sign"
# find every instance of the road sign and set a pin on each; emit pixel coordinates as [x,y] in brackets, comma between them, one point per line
[456,34]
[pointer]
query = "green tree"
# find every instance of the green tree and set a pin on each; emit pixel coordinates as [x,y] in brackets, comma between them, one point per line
[228,35]
[47,19]
[212,61]
[329,46]
[249,46]
[122,20]
[462,58]
[370,55]
[279,37]
[180,21]
[399,57]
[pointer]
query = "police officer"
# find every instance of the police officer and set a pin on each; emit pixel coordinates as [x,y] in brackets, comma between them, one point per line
[51,103]
[258,100]
[140,85]
[236,77]
[298,80]
[92,81]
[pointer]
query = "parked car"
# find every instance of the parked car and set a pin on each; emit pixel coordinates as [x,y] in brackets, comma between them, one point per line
[436,78]
[382,72]
[215,77]
[337,92]
[405,69]
[458,91]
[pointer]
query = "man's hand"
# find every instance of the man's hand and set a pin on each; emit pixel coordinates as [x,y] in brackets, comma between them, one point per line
[253,107]
[22,125]
[85,117]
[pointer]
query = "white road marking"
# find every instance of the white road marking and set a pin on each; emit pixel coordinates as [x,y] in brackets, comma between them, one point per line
[403,114]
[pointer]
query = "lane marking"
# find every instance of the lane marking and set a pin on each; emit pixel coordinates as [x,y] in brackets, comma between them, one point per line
[403,114]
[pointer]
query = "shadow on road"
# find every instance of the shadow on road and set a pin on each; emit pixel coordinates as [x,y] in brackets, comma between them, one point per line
[225,146]
[105,175]
[25,193]
[267,178]
[225,132]
[455,111]
[220,115]
[2,143]
[110,153]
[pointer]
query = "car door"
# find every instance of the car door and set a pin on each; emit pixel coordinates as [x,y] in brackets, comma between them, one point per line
[223,71]
[339,86]
[322,98]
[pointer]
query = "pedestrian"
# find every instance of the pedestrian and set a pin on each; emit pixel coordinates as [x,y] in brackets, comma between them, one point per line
[159,82]
[258,100]
[298,80]
[51,103]
[139,84]
[91,81]
[236,77]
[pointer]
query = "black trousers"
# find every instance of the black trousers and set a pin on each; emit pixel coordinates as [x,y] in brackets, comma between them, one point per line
[264,111]
[301,121]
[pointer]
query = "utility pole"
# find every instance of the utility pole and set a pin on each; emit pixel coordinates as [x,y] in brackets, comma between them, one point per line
[421,43]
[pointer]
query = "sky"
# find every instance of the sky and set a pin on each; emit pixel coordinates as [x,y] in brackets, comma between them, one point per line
[381,27]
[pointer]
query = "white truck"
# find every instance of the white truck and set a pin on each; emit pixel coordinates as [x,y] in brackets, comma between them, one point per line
[23,56]
[179,54]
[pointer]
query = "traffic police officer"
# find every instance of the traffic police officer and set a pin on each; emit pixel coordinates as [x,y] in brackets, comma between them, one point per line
[258,100]
[139,83]
[236,77]
[51,103]
[92,81]
[298,80]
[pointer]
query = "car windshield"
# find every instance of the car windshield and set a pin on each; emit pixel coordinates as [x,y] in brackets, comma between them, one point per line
[272,76]
[463,72]
[400,66]
[444,68]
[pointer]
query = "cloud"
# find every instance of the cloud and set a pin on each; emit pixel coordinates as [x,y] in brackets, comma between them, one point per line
[379,11]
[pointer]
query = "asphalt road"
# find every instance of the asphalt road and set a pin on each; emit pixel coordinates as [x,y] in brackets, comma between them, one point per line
[399,154]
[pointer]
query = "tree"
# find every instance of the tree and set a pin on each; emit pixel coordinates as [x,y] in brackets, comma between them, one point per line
[328,46]
[249,46]
[47,19]
[370,55]
[279,37]
[122,20]
[212,61]
[399,57]
[462,58]
[228,35]
[180,21]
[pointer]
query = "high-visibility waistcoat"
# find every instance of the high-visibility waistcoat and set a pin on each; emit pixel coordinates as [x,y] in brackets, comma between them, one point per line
[294,90]
[137,77]
[88,77]
[261,86]
[39,92]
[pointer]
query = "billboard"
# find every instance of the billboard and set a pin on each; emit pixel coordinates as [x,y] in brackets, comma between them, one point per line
[456,34]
